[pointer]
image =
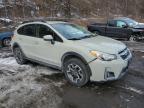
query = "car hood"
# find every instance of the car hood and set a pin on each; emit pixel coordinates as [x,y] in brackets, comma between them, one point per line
[103,44]
[139,26]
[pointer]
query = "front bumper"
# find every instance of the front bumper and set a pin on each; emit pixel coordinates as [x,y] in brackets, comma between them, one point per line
[109,70]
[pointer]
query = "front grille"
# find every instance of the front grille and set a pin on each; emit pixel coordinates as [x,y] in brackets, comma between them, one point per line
[124,53]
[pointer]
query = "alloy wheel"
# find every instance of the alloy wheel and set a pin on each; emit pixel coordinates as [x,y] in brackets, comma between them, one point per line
[75,73]
[18,55]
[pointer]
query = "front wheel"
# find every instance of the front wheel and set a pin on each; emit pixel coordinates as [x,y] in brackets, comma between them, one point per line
[19,56]
[76,72]
[96,32]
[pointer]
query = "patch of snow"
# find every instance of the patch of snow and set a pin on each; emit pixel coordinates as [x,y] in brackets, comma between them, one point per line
[134,90]
[3,27]
[46,70]
[5,55]
[127,100]
[8,61]
[5,19]
[59,84]
[18,83]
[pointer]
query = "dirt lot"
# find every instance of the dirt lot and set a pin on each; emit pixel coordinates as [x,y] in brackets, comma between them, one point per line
[36,86]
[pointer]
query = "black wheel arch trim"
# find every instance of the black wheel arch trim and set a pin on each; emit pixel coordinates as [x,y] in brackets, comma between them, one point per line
[17,45]
[73,54]
[76,55]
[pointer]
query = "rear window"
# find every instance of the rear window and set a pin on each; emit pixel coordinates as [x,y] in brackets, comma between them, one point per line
[27,30]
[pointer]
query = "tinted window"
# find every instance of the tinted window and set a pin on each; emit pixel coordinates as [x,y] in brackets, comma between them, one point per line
[28,30]
[20,31]
[131,22]
[111,23]
[44,30]
[120,24]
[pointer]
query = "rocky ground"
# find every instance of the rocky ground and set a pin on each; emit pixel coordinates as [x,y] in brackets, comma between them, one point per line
[36,86]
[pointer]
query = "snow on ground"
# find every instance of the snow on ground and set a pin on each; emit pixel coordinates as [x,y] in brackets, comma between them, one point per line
[8,61]
[21,87]
[133,90]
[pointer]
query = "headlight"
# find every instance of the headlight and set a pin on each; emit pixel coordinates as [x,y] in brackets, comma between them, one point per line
[103,56]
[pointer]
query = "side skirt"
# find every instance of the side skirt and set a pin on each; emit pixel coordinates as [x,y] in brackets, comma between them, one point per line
[45,64]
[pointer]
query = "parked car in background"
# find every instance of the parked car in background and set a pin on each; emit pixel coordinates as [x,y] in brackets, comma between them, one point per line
[5,38]
[80,54]
[119,28]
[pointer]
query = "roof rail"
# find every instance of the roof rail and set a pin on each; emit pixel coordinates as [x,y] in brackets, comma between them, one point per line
[39,20]
[46,19]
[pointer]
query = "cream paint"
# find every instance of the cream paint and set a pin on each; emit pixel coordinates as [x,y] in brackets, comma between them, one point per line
[38,49]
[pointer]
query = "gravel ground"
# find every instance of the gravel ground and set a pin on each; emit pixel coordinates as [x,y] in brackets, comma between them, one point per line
[36,86]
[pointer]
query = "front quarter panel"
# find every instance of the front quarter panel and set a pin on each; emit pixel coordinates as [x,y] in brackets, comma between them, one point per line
[71,47]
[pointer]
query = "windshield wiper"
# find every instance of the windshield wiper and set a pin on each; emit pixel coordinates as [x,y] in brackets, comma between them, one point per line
[74,39]
[84,37]
[87,36]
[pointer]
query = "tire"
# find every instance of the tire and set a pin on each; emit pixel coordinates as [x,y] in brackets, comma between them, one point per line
[6,42]
[19,56]
[76,72]
[96,32]
[132,38]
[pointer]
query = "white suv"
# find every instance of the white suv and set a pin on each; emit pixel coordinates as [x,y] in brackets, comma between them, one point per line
[81,55]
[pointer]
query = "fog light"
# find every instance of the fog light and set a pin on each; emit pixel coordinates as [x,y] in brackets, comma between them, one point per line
[109,75]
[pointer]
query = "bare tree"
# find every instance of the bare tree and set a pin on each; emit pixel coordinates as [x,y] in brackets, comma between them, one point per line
[5,6]
[67,5]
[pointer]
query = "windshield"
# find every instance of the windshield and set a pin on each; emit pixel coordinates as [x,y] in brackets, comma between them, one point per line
[72,31]
[131,22]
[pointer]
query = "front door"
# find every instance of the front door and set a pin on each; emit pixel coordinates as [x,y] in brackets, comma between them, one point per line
[45,50]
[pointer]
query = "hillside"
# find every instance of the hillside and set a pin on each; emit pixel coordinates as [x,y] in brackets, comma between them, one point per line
[71,8]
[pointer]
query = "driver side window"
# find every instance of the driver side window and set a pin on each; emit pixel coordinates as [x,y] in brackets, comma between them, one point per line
[43,30]
[120,24]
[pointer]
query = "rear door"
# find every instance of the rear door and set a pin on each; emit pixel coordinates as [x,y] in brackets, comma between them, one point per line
[111,28]
[26,39]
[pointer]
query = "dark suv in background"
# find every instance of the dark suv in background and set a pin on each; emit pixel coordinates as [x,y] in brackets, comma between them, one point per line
[119,28]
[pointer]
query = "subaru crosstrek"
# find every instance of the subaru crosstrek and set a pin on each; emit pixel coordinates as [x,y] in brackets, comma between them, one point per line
[81,55]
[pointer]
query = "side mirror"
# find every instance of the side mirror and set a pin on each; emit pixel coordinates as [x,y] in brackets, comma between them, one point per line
[49,38]
[124,26]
